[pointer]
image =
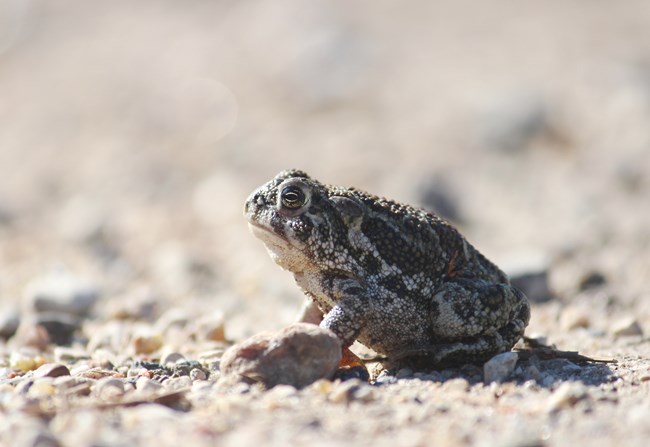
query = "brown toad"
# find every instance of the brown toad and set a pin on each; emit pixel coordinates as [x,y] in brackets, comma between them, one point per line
[401,281]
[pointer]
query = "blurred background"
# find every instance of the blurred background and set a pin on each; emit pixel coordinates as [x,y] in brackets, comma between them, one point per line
[132,132]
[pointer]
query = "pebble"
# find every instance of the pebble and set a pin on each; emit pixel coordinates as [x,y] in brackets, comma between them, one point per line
[346,392]
[147,343]
[456,385]
[24,362]
[9,321]
[73,385]
[178,383]
[567,395]
[212,327]
[147,386]
[404,373]
[42,387]
[574,317]
[60,326]
[171,358]
[62,292]
[174,317]
[529,272]
[628,326]
[592,280]
[385,378]
[64,354]
[437,195]
[51,370]
[109,389]
[31,334]
[197,374]
[512,120]
[297,355]
[139,303]
[500,367]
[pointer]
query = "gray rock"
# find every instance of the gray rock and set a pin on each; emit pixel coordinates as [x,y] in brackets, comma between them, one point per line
[512,121]
[62,292]
[9,321]
[438,196]
[529,273]
[109,389]
[198,374]
[575,316]
[500,367]
[171,358]
[144,385]
[591,280]
[51,370]
[297,355]
[626,327]
[60,326]
[567,395]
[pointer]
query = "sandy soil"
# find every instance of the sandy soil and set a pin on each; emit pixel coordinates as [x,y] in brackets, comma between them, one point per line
[132,132]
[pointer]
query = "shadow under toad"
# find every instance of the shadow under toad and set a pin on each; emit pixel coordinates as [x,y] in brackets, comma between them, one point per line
[543,367]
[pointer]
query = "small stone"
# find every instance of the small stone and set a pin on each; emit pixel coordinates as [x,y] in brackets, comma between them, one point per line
[42,387]
[574,317]
[63,354]
[31,334]
[212,327]
[178,383]
[147,343]
[628,326]
[147,386]
[62,292]
[171,358]
[73,385]
[210,357]
[174,317]
[512,121]
[79,369]
[592,280]
[184,367]
[567,395]
[109,389]
[437,195]
[529,272]
[385,378]
[98,373]
[347,391]
[458,384]
[297,355]
[141,303]
[197,374]
[321,386]
[60,326]
[51,370]
[24,362]
[500,367]
[9,321]
[404,372]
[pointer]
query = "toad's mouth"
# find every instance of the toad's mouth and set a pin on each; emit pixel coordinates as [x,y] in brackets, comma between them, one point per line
[268,236]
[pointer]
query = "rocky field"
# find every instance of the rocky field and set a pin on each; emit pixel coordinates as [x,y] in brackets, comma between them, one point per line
[132,132]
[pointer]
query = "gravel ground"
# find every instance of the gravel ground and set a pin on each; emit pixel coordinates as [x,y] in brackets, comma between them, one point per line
[132,133]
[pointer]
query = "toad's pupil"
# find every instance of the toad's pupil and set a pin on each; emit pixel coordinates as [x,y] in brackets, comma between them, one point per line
[293,197]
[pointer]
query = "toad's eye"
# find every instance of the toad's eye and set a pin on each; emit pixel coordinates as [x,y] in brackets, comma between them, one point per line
[292,197]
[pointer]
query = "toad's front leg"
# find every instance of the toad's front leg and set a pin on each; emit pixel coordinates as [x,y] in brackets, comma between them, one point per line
[346,319]
[348,315]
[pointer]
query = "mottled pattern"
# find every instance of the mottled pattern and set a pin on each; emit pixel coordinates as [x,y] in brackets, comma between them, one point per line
[399,280]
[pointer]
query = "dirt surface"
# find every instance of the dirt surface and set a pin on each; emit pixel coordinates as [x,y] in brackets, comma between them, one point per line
[132,132]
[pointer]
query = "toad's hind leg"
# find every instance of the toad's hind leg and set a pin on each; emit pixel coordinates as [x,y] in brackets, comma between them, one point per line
[492,314]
